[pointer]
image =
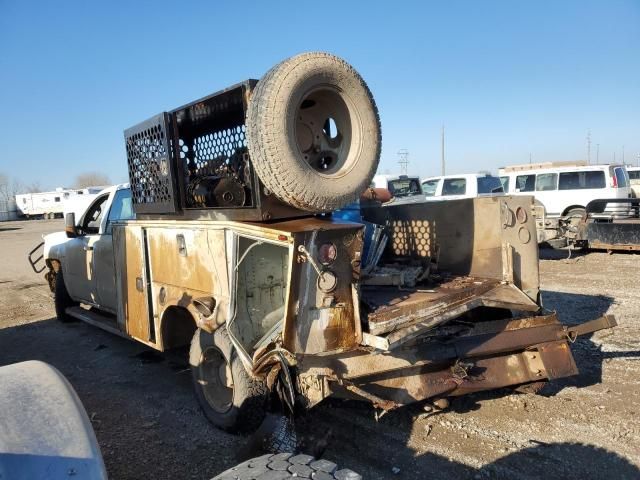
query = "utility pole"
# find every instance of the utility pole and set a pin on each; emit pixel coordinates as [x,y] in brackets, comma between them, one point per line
[403,160]
[589,146]
[637,159]
[597,153]
[529,158]
[623,154]
[442,150]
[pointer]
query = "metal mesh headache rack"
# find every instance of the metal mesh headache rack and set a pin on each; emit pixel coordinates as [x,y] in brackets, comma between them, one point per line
[193,161]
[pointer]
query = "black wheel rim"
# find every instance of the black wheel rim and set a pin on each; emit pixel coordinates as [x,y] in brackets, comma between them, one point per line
[324,130]
[216,380]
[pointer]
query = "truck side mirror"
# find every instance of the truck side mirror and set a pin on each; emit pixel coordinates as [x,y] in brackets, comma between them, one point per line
[70,225]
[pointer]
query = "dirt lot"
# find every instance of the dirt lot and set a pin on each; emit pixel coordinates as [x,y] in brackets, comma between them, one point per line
[149,425]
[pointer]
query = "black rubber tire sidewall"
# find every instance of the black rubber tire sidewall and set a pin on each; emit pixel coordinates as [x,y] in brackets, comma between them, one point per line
[249,395]
[271,136]
[61,298]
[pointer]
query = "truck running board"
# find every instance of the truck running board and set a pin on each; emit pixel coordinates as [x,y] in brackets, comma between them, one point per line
[100,320]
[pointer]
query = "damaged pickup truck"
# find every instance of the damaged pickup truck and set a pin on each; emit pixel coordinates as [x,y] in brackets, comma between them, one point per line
[236,249]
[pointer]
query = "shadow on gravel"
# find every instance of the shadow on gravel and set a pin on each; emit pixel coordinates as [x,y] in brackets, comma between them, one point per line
[553,460]
[9,229]
[561,254]
[382,450]
[574,308]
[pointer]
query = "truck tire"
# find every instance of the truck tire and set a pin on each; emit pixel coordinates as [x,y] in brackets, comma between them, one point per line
[287,466]
[576,213]
[61,299]
[235,404]
[313,132]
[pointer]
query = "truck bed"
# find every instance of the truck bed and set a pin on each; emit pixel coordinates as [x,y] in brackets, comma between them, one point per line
[391,308]
[395,316]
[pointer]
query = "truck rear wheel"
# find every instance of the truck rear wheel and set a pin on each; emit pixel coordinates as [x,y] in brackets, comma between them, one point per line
[61,298]
[313,132]
[228,396]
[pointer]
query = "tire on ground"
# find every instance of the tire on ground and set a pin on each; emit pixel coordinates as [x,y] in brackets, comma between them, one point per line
[287,466]
[313,132]
[61,298]
[240,408]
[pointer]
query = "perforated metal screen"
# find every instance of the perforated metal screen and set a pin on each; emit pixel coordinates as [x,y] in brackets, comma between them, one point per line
[150,166]
[213,149]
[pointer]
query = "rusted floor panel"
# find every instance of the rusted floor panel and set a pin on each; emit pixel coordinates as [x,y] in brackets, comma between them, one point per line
[391,308]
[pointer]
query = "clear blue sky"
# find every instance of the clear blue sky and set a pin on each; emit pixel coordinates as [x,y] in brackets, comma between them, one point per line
[506,78]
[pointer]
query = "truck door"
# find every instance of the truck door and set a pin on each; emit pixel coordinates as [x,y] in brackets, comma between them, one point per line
[78,265]
[132,281]
[103,259]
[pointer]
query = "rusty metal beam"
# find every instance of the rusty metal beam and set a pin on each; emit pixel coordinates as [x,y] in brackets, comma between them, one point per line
[467,377]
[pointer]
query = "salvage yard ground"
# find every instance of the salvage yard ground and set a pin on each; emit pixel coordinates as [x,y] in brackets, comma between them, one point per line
[149,425]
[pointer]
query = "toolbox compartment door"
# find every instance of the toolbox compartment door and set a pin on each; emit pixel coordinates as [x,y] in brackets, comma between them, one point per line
[132,283]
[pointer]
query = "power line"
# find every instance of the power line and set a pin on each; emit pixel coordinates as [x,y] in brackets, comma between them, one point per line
[403,160]
[442,150]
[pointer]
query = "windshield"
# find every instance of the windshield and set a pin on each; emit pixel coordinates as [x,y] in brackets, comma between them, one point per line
[489,185]
[621,178]
[405,187]
[429,187]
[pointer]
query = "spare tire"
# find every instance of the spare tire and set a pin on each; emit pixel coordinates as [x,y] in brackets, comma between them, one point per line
[313,132]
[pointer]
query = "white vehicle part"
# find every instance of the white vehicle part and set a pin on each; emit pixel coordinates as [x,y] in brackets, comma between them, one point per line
[45,430]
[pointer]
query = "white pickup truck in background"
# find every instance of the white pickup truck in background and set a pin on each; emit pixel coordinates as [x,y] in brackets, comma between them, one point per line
[464,185]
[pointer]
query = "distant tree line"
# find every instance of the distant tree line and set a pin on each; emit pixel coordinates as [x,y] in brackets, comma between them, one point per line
[9,187]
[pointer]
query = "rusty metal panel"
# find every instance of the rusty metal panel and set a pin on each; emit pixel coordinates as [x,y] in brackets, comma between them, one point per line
[391,309]
[132,283]
[189,258]
[478,340]
[324,321]
[557,359]
[467,236]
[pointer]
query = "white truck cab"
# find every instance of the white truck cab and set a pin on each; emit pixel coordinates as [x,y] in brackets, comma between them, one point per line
[91,251]
[399,185]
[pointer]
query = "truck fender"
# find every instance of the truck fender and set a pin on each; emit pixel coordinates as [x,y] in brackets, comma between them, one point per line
[46,432]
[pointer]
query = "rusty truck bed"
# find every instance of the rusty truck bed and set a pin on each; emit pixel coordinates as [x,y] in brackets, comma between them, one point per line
[395,316]
[391,308]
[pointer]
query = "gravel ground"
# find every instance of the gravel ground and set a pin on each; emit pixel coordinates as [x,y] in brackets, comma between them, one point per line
[149,425]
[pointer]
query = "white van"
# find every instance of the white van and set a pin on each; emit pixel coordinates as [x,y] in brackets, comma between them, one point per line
[562,187]
[465,185]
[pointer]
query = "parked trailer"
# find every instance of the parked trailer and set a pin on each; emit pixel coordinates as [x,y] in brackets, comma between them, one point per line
[53,204]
